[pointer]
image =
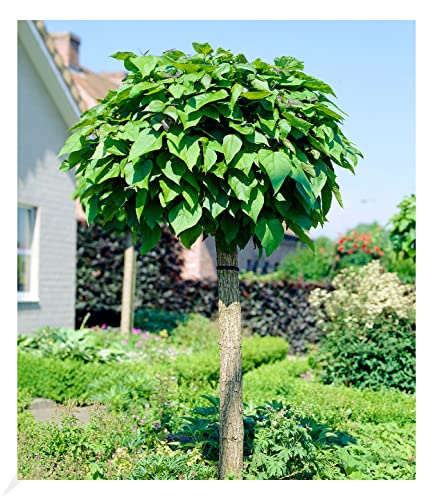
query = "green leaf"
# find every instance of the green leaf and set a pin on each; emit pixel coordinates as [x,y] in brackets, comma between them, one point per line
[241,184]
[189,237]
[221,70]
[229,227]
[256,94]
[173,169]
[189,119]
[235,93]
[216,205]
[190,194]
[210,158]
[149,237]
[301,235]
[186,147]
[169,191]
[140,201]
[176,90]
[231,145]
[270,233]
[182,216]
[254,204]
[242,129]
[138,173]
[148,140]
[297,122]
[200,100]
[277,165]
[202,48]
[73,143]
[243,161]
[145,64]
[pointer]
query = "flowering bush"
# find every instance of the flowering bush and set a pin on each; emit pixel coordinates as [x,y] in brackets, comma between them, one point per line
[369,321]
[363,296]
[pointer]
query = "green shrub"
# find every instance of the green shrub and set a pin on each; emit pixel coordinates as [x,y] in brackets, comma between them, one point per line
[334,405]
[403,229]
[196,333]
[63,343]
[283,445]
[255,351]
[381,356]
[155,320]
[60,380]
[70,450]
[369,321]
[164,463]
[307,265]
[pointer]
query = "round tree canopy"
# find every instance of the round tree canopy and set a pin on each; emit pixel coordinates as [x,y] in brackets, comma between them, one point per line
[211,143]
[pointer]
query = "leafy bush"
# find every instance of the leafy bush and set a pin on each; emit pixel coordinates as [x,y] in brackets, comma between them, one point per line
[164,463]
[334,405]
[70,450]
[308,265]
[157,319]
[255,351]
[369,320]
[84,345]
[403,229]
[60,380]
[382,355]
[283,446]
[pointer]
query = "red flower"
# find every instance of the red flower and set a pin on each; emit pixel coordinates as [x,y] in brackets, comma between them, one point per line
[342,240]
[364,246]
[349,238]
[381,254]
[355,245]
[321,250]
[377,249]
[341,248]
[368,250]
[350,250]
[337,257]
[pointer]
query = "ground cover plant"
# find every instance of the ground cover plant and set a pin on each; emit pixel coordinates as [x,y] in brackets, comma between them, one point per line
[149,420]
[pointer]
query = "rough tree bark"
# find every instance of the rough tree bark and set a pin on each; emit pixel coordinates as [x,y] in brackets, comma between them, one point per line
[128,290]
[231,401]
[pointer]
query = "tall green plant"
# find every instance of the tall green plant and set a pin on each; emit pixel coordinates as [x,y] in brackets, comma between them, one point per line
[211,143]
[403,231]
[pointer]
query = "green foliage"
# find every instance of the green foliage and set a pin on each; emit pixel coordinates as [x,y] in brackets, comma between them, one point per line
[379,356]
[369,322]
[283,446]
[60,380]
[403,229]
[155,320]
[255,351]
[63,343]
[198,141]
[163,463]
[70,450]
[334,405]
[308,265]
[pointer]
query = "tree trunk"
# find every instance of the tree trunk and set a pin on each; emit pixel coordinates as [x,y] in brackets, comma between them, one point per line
[128,291]
[231,403]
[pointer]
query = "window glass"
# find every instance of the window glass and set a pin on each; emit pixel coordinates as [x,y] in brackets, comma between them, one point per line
[26,227]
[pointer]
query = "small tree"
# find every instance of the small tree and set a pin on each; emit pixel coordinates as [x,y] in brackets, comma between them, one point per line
[211,143]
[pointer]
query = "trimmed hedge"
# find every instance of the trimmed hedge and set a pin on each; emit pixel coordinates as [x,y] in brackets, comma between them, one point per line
[256,351]
[53,378]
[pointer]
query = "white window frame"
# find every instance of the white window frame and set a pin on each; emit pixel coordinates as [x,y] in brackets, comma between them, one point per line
[32,295]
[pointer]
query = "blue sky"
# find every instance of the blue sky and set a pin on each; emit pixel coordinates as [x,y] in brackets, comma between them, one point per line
[369,64]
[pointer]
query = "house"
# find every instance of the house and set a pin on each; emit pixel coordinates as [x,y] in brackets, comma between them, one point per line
[48,105]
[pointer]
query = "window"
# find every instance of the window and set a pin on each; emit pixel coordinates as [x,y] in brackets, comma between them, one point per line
[27,254]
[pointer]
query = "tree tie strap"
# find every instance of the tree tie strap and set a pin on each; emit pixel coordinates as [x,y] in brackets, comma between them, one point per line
[230,268]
